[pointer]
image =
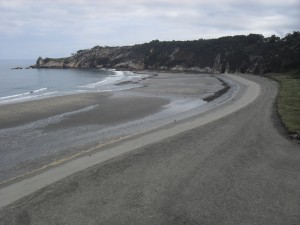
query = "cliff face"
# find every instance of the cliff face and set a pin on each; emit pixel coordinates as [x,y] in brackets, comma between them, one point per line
[108,57]
[245,54]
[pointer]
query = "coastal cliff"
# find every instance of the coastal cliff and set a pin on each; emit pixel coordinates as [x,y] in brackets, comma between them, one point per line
[244,54]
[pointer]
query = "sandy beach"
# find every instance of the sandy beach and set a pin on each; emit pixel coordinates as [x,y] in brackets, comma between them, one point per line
[220,166]
[38,134]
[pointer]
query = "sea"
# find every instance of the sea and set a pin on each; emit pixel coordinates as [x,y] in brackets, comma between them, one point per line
[25,84]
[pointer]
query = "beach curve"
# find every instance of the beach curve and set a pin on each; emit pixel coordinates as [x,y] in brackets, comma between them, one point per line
[15,191]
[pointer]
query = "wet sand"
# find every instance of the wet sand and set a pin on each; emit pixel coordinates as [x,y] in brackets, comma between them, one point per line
[109,109]
[114,108]
[39,133]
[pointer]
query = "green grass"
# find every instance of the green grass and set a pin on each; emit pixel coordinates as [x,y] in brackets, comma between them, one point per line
[288,101]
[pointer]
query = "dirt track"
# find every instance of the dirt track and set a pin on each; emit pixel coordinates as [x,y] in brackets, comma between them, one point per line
[236,170]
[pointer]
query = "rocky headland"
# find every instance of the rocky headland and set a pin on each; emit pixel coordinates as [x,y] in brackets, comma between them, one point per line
[253,53]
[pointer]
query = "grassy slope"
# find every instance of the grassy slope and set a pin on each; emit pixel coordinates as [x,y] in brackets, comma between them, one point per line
[288,101]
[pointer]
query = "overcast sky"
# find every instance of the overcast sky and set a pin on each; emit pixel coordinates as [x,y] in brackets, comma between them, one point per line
[57,28]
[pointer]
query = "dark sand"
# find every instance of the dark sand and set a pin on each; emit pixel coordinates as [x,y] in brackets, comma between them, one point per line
[135,103]
[37,133]
[235,170]
[25,148]
[109,109]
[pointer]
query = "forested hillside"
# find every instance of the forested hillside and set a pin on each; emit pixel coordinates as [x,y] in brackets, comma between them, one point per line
[251,53]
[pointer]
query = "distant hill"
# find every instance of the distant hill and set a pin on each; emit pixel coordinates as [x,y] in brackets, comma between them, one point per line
[253,53]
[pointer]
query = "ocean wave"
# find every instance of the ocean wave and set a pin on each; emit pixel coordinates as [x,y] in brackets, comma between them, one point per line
[14,96]
[118,73]
[23,94]
[26,95]
[39,90]
[108,80]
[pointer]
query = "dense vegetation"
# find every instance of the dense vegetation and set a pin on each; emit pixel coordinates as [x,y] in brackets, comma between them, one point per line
[288,101]
[237,53]
[251,53]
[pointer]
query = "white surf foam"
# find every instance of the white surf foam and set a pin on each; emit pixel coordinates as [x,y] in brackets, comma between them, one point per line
[39,90]
[25,95]
[119,75]
[14,96]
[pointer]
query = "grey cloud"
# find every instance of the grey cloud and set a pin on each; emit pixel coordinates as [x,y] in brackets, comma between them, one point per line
[85,23]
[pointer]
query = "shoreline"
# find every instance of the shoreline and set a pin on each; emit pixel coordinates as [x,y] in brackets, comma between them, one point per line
[47,106]
[86,120]
[24,187]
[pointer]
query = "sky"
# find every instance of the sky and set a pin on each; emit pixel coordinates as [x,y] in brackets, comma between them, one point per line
[58,28]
